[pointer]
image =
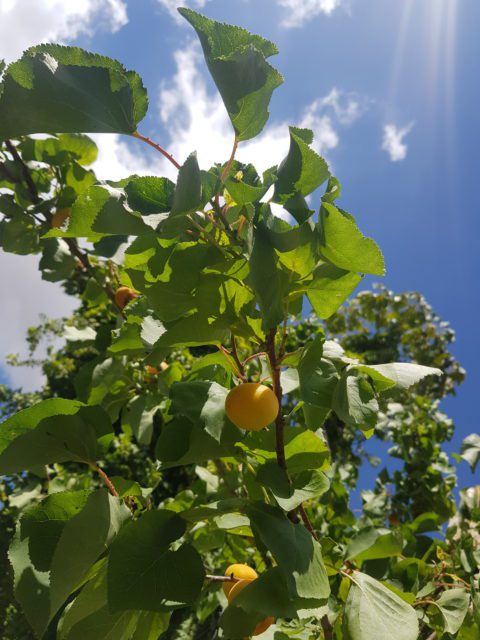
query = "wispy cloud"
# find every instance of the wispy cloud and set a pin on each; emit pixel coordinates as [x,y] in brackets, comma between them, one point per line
[300,11]
[172,5]
[24,23]
[393,141]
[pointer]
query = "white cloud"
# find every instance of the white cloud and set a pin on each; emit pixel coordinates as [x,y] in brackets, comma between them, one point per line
[172,5]
[300,11]
[197,120]
[24,297]
[393,141]
[24,23]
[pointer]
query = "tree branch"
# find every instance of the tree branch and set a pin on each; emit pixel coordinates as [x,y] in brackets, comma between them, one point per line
[71,242]
[277,389]
[106,480]
[156,146]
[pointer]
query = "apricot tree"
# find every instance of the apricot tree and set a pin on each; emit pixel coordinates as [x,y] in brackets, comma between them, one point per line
[185,347]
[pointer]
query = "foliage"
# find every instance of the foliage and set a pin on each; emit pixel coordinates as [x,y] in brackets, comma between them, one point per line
[126,489]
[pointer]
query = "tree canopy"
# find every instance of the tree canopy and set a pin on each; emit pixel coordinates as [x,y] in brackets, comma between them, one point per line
[130,486]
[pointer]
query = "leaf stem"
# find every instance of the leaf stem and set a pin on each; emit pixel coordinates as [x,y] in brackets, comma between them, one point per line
[106,479]
[236,358]
[156,146]
[228,166]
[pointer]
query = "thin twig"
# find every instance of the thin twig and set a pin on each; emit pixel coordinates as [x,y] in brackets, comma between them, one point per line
[230,578]
[236,358]
[260,354]
[106,480]
[306,521]
[71,242]
[156,146]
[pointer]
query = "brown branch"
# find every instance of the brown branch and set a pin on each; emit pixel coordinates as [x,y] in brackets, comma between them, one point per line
[326,628]
[230,578]
[253,356]
[106,480]
[25,171]
[71,242]
[277,389]
[156,146]
[306,521]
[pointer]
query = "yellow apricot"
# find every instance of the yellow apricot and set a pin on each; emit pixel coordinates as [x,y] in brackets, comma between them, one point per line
[240,571]
[59,218]
[124,295]
[234,591]
[251,406]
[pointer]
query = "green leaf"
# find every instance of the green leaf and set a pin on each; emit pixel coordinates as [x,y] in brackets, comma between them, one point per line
[343,244]
[318,376]
[188,191]
[137,417]
[57,89]
[89,617]
[372,544]
[267,279]
[330,288]
[374,611]
[290,494]
[296,552]
[354,401]
[302,171]
[471,450]
[268,595]
[101,211]
[150,194]
[54,430]
[237,61]
[84,539]
[304,449]
[18,232]
[60,150]
[399,374]
[244,186]
[182,442]
[57,262]
[453,605]
[145,574]
[32,549]
[203,402]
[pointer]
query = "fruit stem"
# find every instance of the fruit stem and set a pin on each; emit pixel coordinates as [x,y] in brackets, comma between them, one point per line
[222,578]
[156,146]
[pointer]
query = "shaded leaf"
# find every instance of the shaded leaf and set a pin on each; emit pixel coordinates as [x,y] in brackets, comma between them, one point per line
[58,89]
[237,61]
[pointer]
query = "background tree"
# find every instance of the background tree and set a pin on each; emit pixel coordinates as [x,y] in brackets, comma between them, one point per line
[135,393]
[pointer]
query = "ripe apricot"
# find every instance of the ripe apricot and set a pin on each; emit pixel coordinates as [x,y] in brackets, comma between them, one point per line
[124,295]
[251,406]
[240,571]
[59,217]
[234,591]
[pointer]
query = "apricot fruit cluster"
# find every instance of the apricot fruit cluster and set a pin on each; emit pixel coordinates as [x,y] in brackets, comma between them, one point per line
[251,406]
[245,575]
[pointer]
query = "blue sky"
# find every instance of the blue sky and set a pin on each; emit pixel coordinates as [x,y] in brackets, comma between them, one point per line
[352,68]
